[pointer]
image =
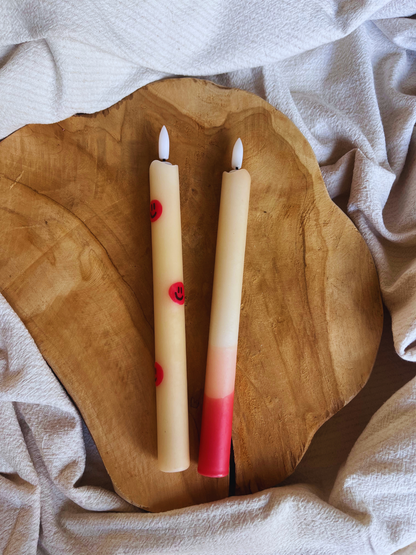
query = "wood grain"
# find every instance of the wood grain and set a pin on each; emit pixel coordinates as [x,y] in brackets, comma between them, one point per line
[76,266]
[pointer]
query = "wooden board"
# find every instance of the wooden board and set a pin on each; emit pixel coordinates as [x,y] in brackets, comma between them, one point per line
[75,257]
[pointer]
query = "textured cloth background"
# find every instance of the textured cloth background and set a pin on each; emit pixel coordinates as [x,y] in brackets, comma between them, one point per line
[345,73]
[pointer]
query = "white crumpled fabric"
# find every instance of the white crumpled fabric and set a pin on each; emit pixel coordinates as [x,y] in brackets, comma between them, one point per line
[345,73]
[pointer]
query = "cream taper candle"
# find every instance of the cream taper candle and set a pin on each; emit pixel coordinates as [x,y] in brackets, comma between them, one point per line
[215,442]
[169,313]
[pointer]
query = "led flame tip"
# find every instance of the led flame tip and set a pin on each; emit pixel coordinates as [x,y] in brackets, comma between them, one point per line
[237,157]
[164,144]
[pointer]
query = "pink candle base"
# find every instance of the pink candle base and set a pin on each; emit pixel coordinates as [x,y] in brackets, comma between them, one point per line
[215,444]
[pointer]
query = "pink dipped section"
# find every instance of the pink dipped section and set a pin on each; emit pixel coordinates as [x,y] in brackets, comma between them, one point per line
[215,444]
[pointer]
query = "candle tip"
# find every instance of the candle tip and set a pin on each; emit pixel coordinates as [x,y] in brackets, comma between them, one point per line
[163,144]
[237,157]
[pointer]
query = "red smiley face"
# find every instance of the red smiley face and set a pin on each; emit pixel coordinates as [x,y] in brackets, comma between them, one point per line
[158,374]
[155,210]
[177,292]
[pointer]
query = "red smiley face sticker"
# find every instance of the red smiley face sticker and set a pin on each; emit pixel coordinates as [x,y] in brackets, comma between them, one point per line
[155,210]
[158,374]
[177,292]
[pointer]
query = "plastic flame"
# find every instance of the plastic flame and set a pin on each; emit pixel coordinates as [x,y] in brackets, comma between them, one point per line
[237,157]
[164,144]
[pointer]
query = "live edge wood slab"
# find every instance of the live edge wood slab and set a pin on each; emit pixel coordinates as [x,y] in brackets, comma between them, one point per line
[76,266]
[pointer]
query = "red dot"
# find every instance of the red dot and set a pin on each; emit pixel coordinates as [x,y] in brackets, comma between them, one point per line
[155,210]
[158,374]
[177,292]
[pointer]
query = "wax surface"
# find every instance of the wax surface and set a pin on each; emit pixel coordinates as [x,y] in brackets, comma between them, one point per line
[229,259]
[220,373]
[214,453]
[215,443]
[169,318]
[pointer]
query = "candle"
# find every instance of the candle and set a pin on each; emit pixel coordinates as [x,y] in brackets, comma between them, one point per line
[215,442]
[169,313]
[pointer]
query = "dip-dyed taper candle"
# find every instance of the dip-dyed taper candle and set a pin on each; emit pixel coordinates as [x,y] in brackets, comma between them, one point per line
[215,442]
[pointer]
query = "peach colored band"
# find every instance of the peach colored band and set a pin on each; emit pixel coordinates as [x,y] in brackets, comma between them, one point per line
[220,375]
